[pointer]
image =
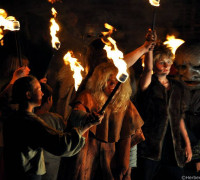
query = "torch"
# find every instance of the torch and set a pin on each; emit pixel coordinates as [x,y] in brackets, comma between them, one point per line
[117,57]
[173,43]
[10,23]
[75,67]
[122,79]
[54,39]
[16,26]
[154,3]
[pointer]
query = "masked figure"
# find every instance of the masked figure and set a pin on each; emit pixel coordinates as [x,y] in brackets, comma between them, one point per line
[187,63]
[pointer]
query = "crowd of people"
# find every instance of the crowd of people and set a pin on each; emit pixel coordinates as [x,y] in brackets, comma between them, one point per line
[150,136]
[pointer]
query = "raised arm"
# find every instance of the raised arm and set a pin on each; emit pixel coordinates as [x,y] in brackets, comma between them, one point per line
[147,72]
[148,45]
[20,72]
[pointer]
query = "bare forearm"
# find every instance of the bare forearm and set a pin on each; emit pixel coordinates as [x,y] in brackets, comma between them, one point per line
[133,56]
[147,73]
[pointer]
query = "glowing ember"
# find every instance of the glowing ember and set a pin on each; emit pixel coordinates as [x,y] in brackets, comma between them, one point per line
[155,2]
[53,31]
[115,54]
[173,43]
[75,66]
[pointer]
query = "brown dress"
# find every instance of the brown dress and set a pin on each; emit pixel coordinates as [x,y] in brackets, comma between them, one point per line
[107,149]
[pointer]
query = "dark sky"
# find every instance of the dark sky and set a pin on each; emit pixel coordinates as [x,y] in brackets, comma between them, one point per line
[81,21]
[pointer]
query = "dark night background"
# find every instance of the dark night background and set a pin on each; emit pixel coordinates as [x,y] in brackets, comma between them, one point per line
[81,21]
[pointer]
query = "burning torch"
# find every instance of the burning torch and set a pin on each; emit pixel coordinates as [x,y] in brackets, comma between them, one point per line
[117,57]
[154,3]
[173,43]
[10,23]
[75,67]
[54,28]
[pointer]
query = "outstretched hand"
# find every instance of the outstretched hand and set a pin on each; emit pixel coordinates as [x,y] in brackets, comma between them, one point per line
[95,118]
[20,72]
[92,119]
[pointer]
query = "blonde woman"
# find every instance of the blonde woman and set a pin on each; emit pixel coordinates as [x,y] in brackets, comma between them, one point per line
[107,149]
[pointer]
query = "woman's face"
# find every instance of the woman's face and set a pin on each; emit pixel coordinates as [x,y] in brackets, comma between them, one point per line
[110,85]
[37,94]
[162,66]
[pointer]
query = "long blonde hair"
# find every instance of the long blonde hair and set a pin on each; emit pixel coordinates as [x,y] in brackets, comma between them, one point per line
[98,82]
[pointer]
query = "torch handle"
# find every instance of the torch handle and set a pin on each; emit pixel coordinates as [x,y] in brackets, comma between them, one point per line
[154,18]
[47,69]
[109,98]
[18,48]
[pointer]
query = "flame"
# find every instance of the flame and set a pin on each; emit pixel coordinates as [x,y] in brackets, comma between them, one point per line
[110,28]
[7,23]
[1,36]
[75,66]
[173,43]
[54,12]
[53,30]
[154,2]
[3,13]
[115,54]
[53,1]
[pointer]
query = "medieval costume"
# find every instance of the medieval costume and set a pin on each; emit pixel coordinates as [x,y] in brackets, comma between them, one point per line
[162,111]
[161,103]
[107,149]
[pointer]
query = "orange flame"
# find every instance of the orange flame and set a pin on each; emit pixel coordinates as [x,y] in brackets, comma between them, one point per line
[115,54]
[53,1]
[75,66]
[3,13]
[173,43]
[53,30]
[154,2]
[7,23]
[1,36]
[110,29]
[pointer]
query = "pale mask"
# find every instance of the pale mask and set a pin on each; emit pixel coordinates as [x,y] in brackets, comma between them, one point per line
[187,63]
